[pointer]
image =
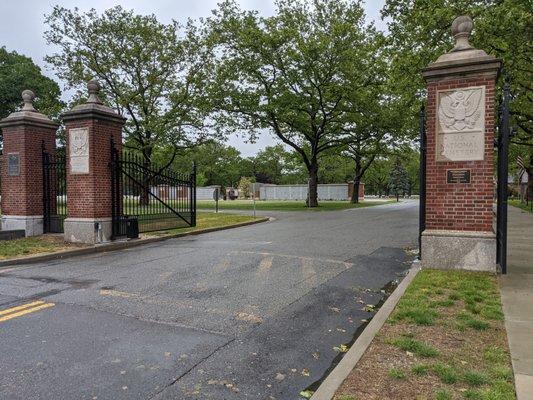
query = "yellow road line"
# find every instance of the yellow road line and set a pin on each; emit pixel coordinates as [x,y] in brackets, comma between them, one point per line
[26,311]
[22,307]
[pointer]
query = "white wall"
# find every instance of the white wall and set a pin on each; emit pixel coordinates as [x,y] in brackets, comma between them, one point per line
[299,192]
[205,193]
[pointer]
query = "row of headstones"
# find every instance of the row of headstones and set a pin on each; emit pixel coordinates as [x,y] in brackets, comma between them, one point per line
[89,129]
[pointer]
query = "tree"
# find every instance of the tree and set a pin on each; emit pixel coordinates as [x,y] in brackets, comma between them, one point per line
[17,73]
[398,182]
[377,176]
[411,159]
[334,168]
[152,73]
[245,186]
[268,164]
[293,73]
[217,163]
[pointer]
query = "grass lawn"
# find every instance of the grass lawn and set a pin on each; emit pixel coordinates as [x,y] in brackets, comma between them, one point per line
[54,243]
[34,245]
[285,205]
[445,340]
[523,206]
[205,220]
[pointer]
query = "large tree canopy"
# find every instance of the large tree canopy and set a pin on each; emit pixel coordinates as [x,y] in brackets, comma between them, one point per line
[297,73]
[17,73]
[153,73]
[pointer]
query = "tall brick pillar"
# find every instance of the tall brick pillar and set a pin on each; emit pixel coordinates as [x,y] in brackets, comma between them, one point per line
[460,156]
[25,132]
[90,127]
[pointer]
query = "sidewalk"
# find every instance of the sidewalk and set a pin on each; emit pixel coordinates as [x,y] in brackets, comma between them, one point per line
[517,299]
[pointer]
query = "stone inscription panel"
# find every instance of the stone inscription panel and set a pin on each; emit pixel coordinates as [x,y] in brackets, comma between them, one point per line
[79,150]
[461,124]
[13,164]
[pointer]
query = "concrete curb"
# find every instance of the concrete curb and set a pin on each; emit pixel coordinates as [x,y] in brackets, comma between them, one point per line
[118,245]
[334,380]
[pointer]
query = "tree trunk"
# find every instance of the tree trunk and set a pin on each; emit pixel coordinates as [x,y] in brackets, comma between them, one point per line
[355,194]
[356,182]
[312,197]
[397,197]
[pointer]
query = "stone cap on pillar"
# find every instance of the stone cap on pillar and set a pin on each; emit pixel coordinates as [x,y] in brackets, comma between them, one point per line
[463,59]
[28,115]
[93,107]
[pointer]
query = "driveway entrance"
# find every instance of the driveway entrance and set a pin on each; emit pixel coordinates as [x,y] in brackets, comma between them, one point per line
[259,312]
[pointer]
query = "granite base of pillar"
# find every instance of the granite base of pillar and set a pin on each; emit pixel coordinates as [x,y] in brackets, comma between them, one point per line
[475,251]
[88,230]
[31,224]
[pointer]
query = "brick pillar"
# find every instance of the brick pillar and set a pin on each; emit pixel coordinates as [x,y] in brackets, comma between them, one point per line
[25,132]
[90,128]
[460,157]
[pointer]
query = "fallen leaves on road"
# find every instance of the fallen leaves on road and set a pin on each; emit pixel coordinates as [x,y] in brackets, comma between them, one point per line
[229,385]
[341,349]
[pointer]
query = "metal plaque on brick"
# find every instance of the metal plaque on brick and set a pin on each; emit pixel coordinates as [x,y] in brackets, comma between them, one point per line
[79,150]
[460,124]
[458,176]
[13,164]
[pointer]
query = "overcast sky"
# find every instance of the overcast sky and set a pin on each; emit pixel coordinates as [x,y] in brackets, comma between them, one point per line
[22,27]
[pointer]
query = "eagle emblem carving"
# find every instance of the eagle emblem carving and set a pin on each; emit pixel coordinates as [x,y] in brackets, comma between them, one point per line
[460,110]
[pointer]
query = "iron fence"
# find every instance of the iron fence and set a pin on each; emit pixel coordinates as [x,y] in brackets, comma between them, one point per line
[150,197]
[54,190]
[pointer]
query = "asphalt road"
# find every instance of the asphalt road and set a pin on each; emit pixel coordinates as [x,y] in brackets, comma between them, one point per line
[258,312]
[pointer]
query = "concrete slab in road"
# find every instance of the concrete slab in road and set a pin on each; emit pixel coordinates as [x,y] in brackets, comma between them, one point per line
[74,352]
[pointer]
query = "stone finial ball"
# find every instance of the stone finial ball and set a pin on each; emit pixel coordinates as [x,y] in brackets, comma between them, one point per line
[462,25]
[28,96]
[93,86]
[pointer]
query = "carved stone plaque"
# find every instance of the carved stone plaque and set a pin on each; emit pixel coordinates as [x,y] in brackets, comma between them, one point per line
[13,164]
[461,124]
[458,176]
[79,150]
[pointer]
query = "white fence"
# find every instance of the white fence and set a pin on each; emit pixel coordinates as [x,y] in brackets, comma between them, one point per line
[206,192]
[299,192]
[172,192]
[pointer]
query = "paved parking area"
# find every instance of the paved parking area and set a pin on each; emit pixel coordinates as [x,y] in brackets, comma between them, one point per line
[258,312]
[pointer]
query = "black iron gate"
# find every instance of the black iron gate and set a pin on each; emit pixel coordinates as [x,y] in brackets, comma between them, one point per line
[502,144]
[422,176]
[147,197]
[54,190]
